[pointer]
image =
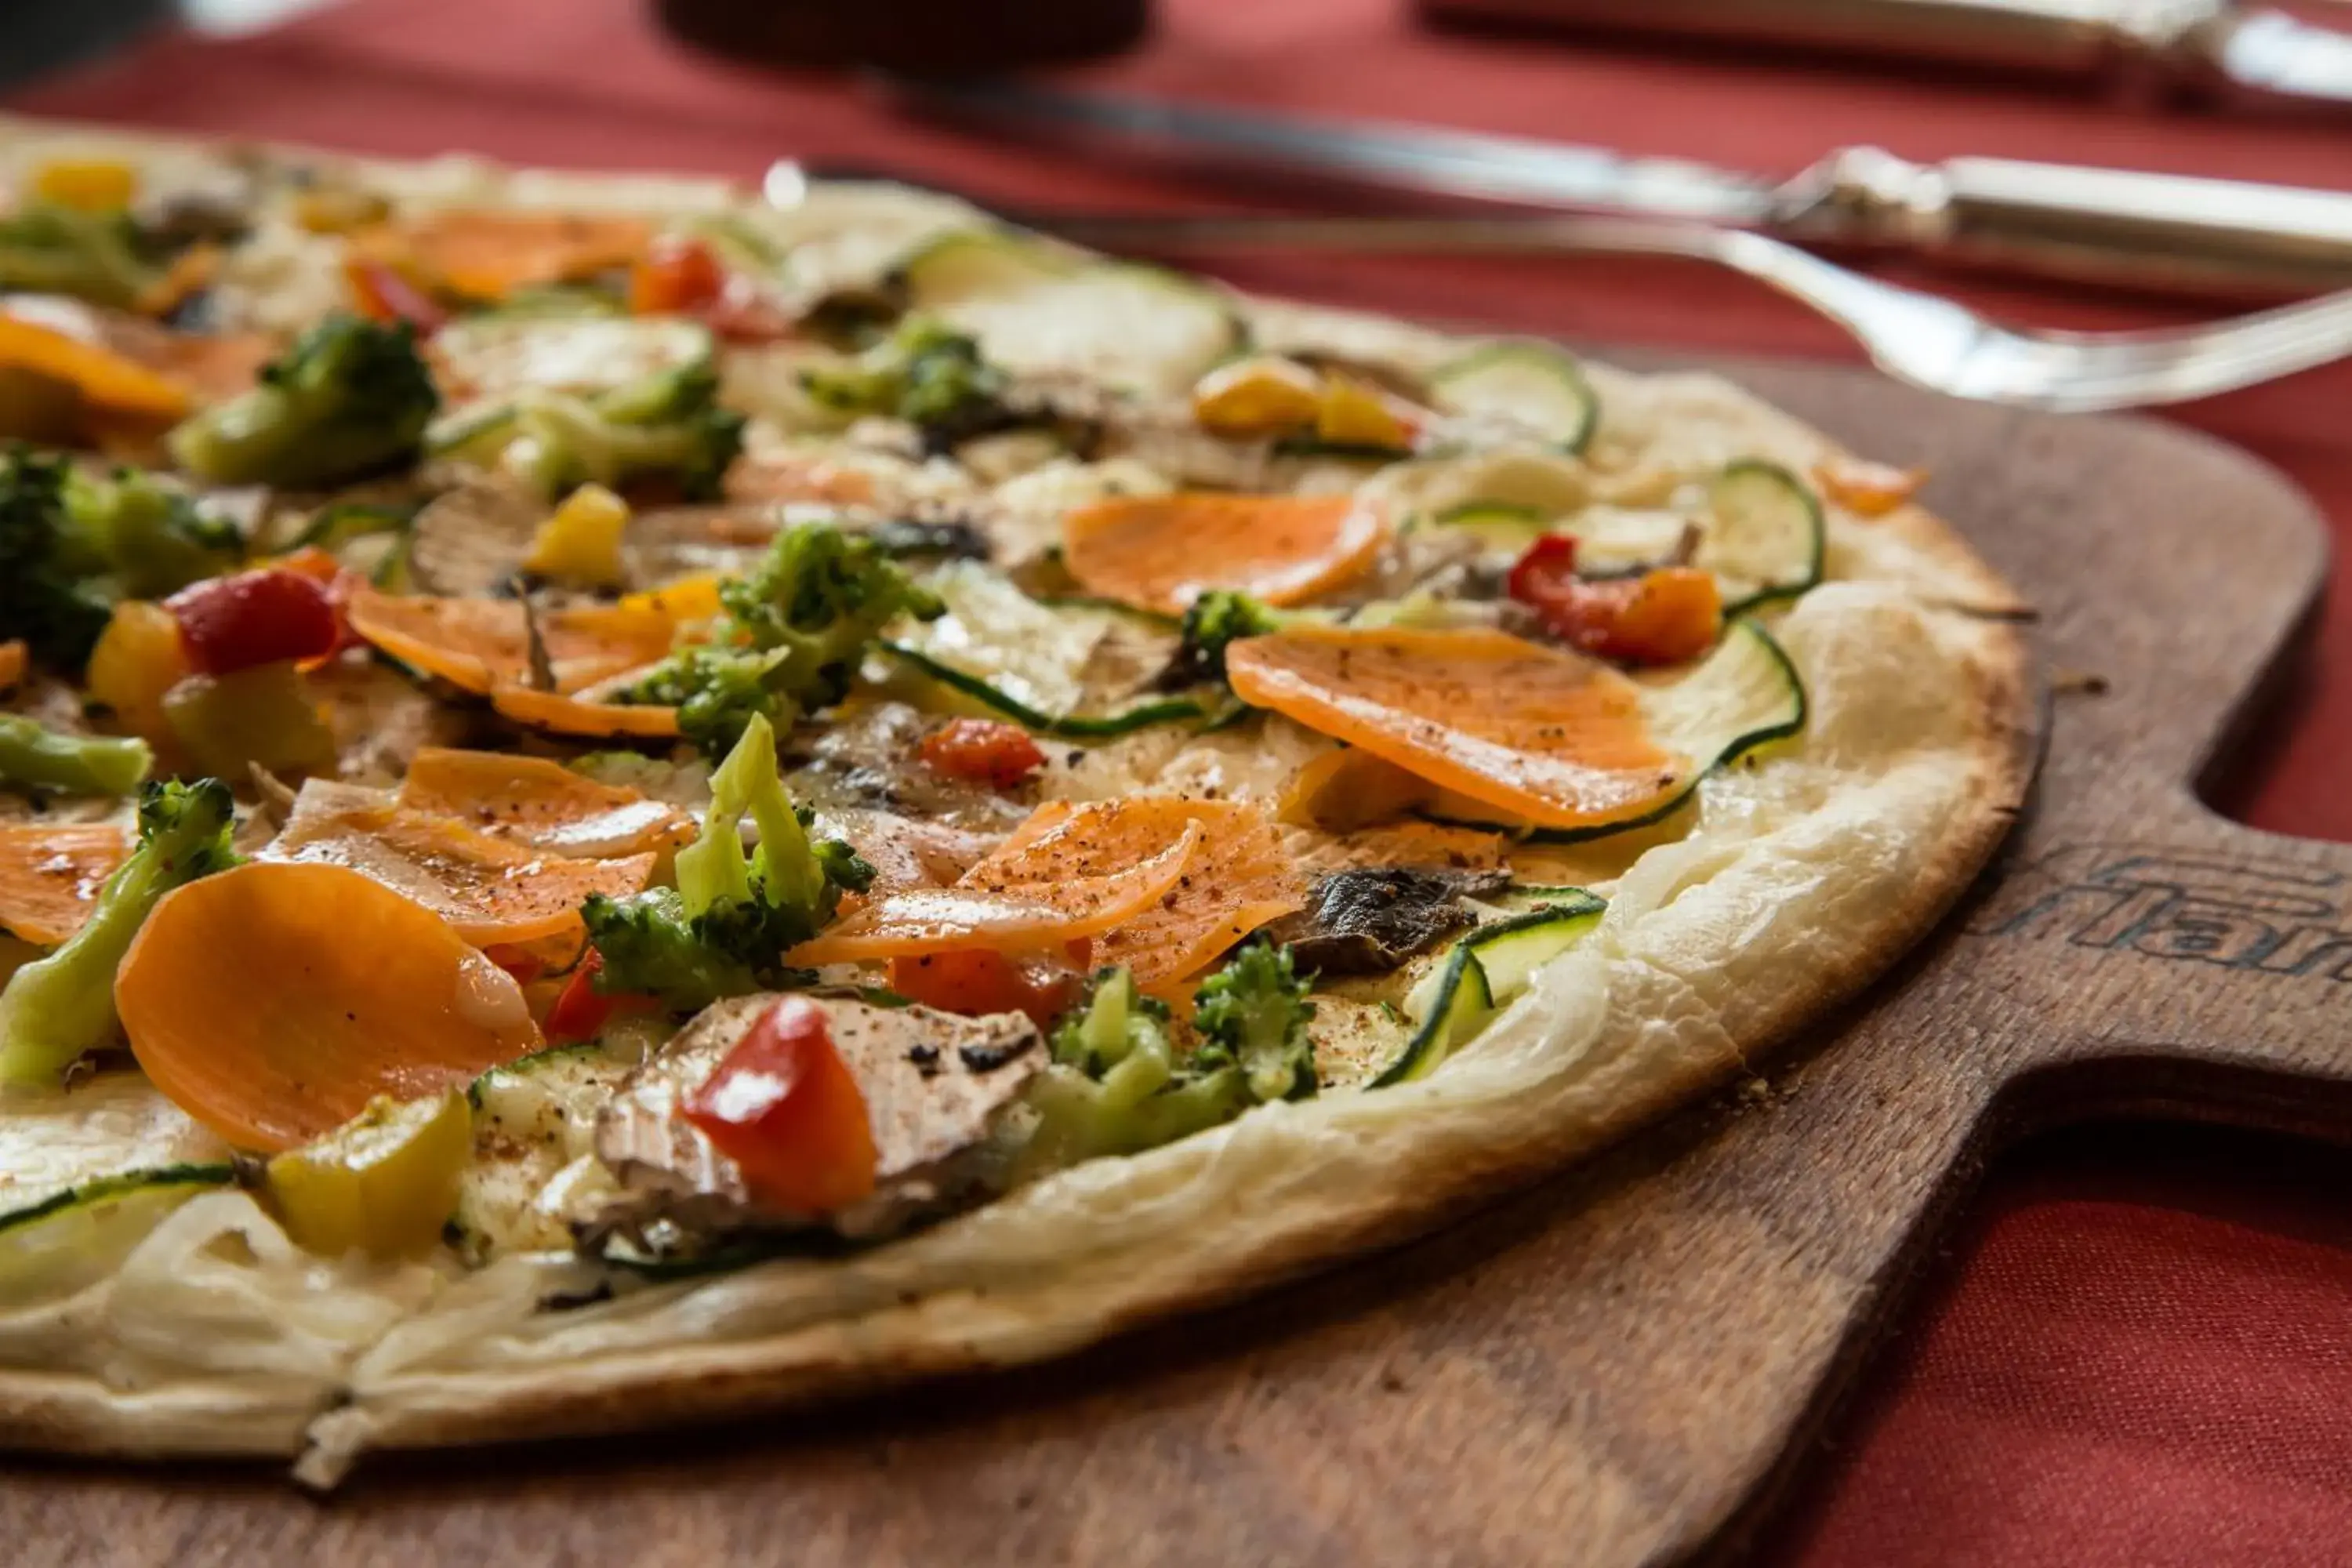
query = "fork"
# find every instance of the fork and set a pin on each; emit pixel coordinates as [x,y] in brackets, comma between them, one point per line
[1915,337]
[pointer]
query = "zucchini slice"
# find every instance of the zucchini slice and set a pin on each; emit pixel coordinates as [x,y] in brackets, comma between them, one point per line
[80,1236]
[1035,307]
[494,357]
[533,1118]
[1741,696]
[1485,972]
[1532,385]
[1077,670]
[1764,535]
[1459,1003]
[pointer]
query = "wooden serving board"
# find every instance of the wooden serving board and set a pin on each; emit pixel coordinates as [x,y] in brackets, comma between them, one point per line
[1620,1366]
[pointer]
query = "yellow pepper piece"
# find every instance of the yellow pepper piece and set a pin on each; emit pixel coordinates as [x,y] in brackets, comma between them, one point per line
[138,658]
[1354,415]
[106,378]
[332,209]
[383,1183]
[684,602]
[1258,396]
[91,184]
[264,716]
[582,542]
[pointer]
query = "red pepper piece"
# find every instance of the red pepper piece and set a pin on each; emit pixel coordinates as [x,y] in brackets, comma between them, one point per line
[977,980]
[786,1108]
[1667,615]
[981,751]
[383,294]
[581,1011]
[676,278]
[233,622]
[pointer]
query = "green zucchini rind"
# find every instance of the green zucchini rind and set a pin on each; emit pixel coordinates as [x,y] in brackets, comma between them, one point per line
[1067,726]
[1764,536]
[1035,309]
[1745,694]
[73,1238]
[1485,969]
[1531,383]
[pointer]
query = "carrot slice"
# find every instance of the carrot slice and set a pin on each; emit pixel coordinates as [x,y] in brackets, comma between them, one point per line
[477,644]
[1058,891]
[12,660]
[1550,736]
[109,380]
[490,254]
[1239,878]
[490,891]
[539,801]
[271,1002]
[50,876]
[1161,552]
[562,715]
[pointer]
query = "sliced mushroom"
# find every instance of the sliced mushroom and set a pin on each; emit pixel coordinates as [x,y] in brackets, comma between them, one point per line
[867,757]
[470,541]
[1370,922]
[936,1088]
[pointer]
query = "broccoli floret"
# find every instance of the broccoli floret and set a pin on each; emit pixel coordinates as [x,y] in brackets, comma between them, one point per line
[1213,622]
[794,630]
[667,425]
[46,247]
[723,931]
[1254,1014]
[34,756]
[718,691]
[70,545]
[926,374]
[151,536]
[820,598]
[1117,1087]
[50,591]
[349,398]
[57,1007]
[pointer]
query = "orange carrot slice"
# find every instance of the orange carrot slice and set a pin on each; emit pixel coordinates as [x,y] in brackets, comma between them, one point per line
[1161,552]
[1058,891]
[1541,734]
[1239,878]
[562,715]
[12,660]
[477,644]
[109,380]
[487,889]
[50,876]
[340,990]
[540,803]
[488,255]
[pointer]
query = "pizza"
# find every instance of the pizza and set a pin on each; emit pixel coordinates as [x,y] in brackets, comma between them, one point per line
[621,801]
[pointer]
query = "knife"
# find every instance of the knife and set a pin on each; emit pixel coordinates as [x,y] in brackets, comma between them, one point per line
[2107,225]
[2195,41]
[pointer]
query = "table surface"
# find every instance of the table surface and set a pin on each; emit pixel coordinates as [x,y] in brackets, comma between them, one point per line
[2138,1347]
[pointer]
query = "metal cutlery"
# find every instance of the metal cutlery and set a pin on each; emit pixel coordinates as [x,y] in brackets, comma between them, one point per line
[2108,224]
[1913,336]
[2194,42]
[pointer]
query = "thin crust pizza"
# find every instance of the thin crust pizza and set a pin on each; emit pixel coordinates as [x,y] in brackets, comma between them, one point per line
[619,803]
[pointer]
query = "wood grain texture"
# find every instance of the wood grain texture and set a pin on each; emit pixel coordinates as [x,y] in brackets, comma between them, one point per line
[1618,1367]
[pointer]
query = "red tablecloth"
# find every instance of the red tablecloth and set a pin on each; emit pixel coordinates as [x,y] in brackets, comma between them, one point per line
[2142,1353]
